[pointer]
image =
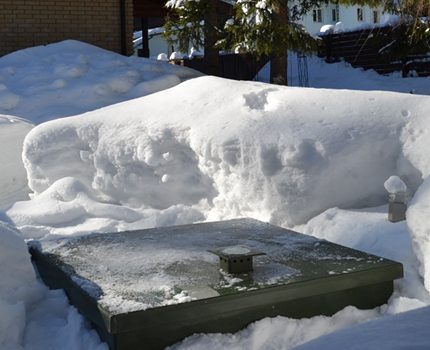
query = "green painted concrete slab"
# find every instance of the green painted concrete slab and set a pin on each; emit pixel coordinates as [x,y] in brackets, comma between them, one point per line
[150,288]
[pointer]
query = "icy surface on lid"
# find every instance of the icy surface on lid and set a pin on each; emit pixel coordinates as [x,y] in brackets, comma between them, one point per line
[131,271]
[236,250]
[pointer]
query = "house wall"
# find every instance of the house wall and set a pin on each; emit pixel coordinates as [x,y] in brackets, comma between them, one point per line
[347,15]
[26,23]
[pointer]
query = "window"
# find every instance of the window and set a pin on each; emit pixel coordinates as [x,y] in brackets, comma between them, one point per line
[359,14]
[375,17]
[317,15]
[335,14]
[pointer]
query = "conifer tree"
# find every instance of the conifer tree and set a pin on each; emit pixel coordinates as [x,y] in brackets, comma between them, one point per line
[262,27]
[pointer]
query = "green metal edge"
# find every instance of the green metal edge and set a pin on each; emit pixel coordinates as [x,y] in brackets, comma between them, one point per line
[242,300]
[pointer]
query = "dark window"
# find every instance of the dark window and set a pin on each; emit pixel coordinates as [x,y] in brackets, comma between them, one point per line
[317,15]
[359,14]
[335,14]
[375,17]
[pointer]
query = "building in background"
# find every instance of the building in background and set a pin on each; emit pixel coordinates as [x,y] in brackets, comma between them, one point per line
[110,23]
[104,23]
[351,17]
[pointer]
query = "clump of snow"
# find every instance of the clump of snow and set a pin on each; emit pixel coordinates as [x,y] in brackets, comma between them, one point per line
[395,184]
[162,57]
[327,29]
[339,27]
[195,53]
[13,178]
[176,56]
[280,158]
[71,77]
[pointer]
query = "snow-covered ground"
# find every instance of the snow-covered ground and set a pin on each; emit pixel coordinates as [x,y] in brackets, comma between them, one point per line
[341,76]
[312,159]
[70,77]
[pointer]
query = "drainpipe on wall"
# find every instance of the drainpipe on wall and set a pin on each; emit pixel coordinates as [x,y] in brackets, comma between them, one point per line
[123,27]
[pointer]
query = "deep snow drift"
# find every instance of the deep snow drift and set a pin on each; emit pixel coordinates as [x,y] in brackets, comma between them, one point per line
[278,154]
[71,77]
[63,79]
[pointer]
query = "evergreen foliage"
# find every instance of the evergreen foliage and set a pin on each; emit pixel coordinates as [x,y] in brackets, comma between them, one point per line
[269,28]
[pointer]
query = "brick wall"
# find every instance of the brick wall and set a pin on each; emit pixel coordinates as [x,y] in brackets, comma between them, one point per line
[26,23]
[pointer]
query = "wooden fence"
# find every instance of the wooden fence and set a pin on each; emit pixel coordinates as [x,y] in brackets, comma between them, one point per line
[231,66]
[368,49]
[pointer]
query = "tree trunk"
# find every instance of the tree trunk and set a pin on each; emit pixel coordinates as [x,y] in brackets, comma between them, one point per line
[279,62]
[279,70]
[211,53]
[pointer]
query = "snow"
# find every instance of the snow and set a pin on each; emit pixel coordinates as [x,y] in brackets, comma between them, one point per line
[67,78]
[385,20]
[278,332]
[236,250]
[395,331]
[316,159]
[341,75]
[31,316]
[394,184]
[327,29]
[280,159]
[176,56]
[417,219]
[13,178]
[16,286]
[370,231]
[162,57]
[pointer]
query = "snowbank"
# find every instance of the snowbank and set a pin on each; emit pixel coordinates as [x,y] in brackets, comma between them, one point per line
[18,287]
[417,217]
[404,331]
[31,316]
[13,178]
[71,77]
[273,153]
[416,139]
[278,332]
